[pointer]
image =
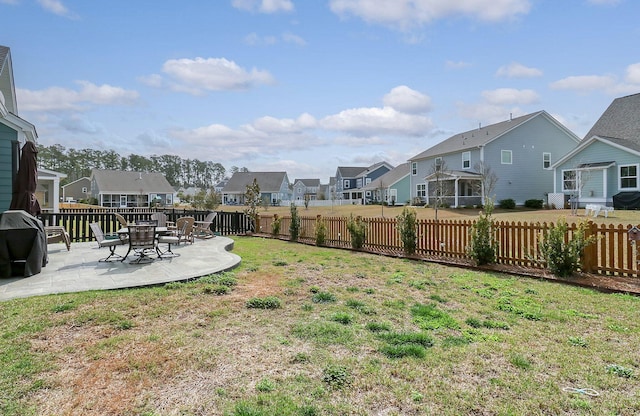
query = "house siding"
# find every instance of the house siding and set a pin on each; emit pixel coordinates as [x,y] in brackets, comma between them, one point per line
[403,190]
[525,178]
[593,153]
[7,137]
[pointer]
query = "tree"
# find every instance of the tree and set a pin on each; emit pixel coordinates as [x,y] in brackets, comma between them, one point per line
[441,187]
[252,199]
[488,180]
[213,199]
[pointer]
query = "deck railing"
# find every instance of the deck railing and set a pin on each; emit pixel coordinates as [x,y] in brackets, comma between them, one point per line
[612,253]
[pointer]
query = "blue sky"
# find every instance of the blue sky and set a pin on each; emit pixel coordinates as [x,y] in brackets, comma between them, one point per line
[306,86]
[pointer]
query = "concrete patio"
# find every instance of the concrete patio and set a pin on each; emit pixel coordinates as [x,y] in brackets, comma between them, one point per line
[79,270]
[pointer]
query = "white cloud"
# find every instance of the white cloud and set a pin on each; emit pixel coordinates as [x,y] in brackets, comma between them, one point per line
[56,7]
[504,96]
[633,73]
[457,64]
[254,39]
[198,75]
[410,13]
[264,6]
[58,98]
[406,100]
[584,83]
[370,122]
[517,70]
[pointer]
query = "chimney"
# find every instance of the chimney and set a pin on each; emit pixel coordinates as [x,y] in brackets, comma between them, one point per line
[510,117]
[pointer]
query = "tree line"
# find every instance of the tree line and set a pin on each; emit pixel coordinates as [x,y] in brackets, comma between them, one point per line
[78,163]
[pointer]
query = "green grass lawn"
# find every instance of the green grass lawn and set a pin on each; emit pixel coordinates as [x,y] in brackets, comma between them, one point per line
[301,330]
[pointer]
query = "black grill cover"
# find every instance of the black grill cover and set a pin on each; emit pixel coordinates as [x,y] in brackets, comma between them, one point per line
[23,244]
[626,200]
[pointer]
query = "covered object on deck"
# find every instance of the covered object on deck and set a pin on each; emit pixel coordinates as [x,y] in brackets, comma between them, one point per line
[23,244]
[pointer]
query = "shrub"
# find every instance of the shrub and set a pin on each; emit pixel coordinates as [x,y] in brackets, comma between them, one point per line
[270,302]
[275,225]
[336,376]
[563,258]
[321,231]
[294,227]
[534,203]
[407,230]
[343,318]
[358,230]
[507,203]
[483,245]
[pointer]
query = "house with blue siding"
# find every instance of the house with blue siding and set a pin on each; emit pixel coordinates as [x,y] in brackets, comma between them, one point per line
[350,180]
[306,189]
[391,188]
[14,131]
[607,160]
[519,151]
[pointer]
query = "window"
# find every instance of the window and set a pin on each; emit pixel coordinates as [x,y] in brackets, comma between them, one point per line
[438,164]
[466,160]
[367,181]
[347,183]
[546,160]
[569,182]
[628,176]
[506,157]
[414,168]
[421,190]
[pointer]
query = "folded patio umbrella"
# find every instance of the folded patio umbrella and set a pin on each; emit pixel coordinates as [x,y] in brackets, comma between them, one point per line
[24,187]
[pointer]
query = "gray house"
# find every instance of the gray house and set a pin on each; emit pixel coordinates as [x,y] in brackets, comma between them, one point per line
[607,161]
[351,179]
[306,188]
[274,187]
[123,189]
[392,187]
[78,190]
[519,151]
[14,131]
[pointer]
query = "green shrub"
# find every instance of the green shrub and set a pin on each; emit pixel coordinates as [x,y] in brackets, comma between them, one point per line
[483,245]
[507,203]
[321,232]
[294,227]
[270,302]
[407,229]
[275,225]
[358,230]
[534,203]
[562,257]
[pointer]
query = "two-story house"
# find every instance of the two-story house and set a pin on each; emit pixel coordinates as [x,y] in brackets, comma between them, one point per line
[350,180]
[306,189]
[392,187]
[274,187]
[14,131]
[519,152]
[605,166]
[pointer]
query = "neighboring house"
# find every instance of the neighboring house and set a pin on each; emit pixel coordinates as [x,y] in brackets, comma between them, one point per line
[78,190]
[607,161]
[48,190]
[274,187]
[220,185]
[123,189]
[520,151]
[14,131]
[306,189]
[351,179]
[327,191]
[392,187]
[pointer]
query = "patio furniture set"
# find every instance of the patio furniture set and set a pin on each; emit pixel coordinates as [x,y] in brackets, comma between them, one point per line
[152,239]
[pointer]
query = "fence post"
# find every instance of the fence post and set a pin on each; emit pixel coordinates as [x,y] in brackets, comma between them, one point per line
[590,255]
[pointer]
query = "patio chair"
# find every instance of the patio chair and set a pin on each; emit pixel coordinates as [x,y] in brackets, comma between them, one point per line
[57,234]
[184,229]
[142,240]
[160,218]
[104,242]
[202,229]
[170,239]
[123,222]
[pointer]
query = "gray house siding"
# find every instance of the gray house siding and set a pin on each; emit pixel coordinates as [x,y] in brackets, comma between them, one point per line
[593,189]
[526,178]
[8,136]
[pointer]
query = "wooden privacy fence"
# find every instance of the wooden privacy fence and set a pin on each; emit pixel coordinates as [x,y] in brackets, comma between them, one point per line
[612,254]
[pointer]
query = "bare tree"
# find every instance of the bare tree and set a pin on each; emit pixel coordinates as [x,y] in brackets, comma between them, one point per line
[442,188]
[488,180]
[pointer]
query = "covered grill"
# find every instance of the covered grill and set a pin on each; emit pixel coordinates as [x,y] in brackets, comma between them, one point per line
[626,200]
[23,244]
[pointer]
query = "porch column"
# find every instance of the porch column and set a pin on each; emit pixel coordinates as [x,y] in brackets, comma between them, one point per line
[604,185]
[455,192]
